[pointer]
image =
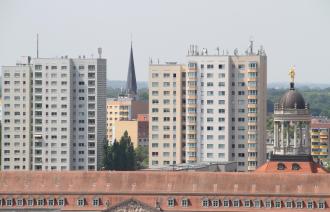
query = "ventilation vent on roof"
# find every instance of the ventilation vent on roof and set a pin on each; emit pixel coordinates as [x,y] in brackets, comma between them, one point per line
[280,166]
[295,166]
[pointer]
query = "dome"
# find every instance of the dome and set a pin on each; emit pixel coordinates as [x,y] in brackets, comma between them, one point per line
[292,99]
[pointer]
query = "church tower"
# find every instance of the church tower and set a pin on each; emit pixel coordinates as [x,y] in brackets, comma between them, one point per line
[131,86]
[291,123]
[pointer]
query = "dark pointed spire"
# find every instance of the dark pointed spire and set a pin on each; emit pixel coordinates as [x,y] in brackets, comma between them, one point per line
[131,87]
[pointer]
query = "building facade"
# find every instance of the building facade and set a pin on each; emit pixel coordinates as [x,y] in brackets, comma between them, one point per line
[123,108]
[166,145]
[165,191]
[320,135]
[137,129]
[58,123]
[223,109]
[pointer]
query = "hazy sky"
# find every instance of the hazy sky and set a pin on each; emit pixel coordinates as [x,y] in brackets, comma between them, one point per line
[292,32]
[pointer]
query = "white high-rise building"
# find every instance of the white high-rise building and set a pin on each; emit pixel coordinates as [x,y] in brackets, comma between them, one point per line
[54,118]
[221,115]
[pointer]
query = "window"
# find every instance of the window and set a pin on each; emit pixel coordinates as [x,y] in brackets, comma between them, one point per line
[61,202]
[236,203]
[247,203]
[51,202]
[9,202]
[256,203]
[96,202]
[277,203]
[321,204]
[299,204]
[205,202]
[310,204]
[226,203]
[40,202]
[81,202]
[268,204]
[170,202]
[185,202]
[30,202]
[215,203]
[20,202]
[288,204]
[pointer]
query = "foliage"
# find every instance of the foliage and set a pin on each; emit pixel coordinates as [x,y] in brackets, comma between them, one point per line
[318,99]
[120,155]
[141,157]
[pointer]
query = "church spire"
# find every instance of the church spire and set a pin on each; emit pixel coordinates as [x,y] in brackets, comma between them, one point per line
[131,87]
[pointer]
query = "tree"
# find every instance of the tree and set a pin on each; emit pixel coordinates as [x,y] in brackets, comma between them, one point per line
[119,155]
[141,157]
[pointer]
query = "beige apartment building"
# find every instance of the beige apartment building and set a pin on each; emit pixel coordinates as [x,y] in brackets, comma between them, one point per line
[137,129]
[165,117]
[213,109]
[123,109]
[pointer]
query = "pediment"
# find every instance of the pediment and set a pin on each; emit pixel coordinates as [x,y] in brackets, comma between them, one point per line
[132,205]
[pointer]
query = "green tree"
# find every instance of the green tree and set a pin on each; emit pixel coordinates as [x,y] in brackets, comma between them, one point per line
[141,157]
[119,155]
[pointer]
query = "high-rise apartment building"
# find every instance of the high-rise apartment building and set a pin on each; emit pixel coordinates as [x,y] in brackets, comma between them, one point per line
[165,114]
[54,114]
[218,110]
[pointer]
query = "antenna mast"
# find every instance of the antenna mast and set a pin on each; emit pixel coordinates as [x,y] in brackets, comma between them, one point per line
[37,45]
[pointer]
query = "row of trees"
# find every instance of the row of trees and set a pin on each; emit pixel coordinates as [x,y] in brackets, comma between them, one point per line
[122,156]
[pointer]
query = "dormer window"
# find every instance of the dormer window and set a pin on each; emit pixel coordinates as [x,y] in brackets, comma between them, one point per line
[185,202]
[295,166]
[9,202]
[321,204]
[280,166]
[96,201]
[205,202]
[30,202]
[170,202]
[81,201]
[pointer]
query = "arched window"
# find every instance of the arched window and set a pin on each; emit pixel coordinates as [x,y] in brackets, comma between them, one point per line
[51,201]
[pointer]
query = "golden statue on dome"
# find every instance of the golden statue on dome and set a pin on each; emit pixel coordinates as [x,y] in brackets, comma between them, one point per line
[292,73]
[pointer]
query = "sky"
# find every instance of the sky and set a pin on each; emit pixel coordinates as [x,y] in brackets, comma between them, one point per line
[295,32]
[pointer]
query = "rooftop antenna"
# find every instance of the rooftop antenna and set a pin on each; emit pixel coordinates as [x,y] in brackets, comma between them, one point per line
[99,50]
[218,50]
[37,45]
[251,44]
